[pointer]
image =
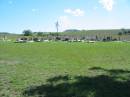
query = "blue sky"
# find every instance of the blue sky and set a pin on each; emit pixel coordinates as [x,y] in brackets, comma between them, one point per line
[41,15]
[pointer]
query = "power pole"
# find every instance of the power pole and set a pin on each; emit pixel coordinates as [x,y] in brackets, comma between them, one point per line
[57,26]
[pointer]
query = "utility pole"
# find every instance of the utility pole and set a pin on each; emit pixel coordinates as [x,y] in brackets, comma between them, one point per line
[57,26]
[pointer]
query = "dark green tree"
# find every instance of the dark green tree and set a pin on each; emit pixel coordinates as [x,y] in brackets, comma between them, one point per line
[39,33]
[27,33]
[124,31]
[129,32]
[120,33]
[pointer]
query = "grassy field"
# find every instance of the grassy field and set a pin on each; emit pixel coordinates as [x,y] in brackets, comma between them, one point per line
[59,69]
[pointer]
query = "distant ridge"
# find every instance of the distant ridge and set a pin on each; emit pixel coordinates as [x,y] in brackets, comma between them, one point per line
[93,32]
[4,33]
[72,30]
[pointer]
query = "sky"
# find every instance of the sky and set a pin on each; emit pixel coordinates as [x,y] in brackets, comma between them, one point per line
[41,15]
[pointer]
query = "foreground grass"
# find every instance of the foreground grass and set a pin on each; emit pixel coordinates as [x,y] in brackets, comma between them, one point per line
[64,69]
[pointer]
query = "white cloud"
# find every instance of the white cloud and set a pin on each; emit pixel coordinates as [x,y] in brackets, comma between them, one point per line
[75,12]
[107,4]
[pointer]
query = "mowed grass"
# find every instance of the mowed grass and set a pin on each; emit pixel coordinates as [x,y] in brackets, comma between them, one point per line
[60,69]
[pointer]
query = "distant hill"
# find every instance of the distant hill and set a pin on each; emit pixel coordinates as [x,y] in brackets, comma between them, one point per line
[122,34]
[72,30]
[93,32]
[4,33]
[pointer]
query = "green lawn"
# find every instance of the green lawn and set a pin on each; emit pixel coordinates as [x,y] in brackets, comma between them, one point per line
[59,69]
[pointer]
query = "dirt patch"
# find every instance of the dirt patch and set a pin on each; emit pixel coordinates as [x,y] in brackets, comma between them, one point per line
[9,62]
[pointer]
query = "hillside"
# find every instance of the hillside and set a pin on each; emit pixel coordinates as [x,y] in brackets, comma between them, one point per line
[95,32]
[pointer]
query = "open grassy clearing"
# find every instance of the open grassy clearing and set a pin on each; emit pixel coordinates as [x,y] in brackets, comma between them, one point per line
[59,69]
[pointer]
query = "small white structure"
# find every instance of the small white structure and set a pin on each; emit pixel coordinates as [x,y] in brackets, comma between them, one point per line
[46,40]
[91,41]
[19,40]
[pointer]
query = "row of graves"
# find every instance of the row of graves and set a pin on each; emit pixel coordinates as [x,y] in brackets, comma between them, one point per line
[4,38]
[49,39]
[66,39]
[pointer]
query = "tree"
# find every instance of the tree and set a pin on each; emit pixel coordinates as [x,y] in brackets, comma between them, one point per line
[39,33]
[27,33]
[96,37]
[124,31]
[128,31]
[120,33]
[54,34]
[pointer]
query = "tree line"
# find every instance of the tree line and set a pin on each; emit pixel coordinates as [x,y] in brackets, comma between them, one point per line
[30,33]
[124,32]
